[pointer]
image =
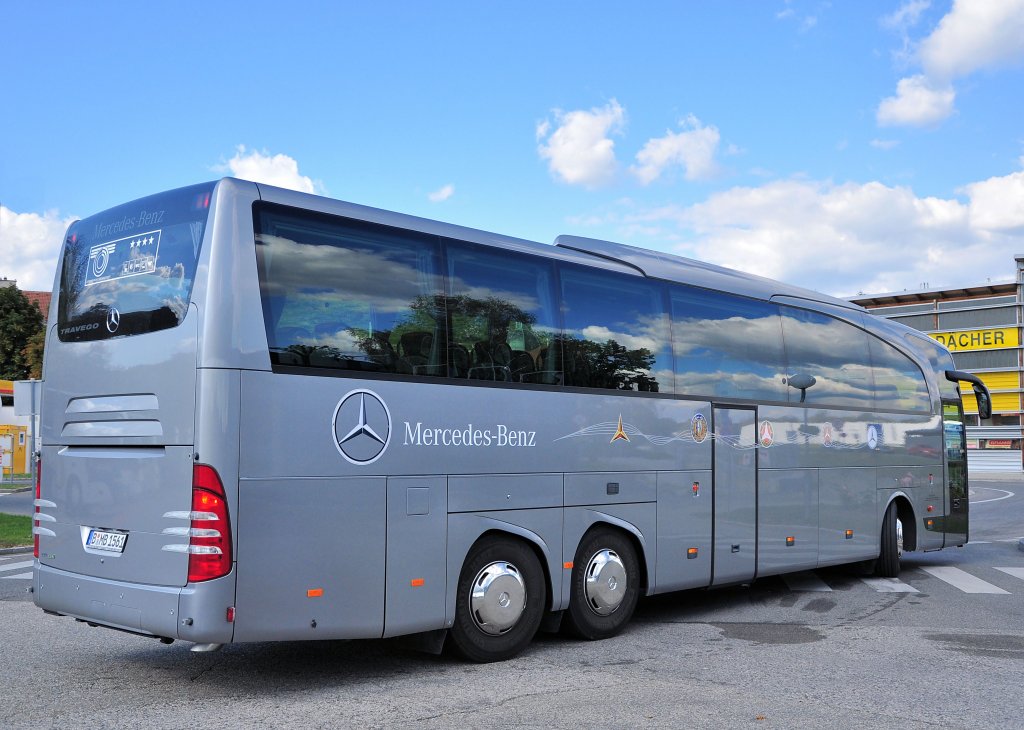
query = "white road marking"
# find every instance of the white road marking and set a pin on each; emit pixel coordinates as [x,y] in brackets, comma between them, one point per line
[889,585]
[1015,572]
[27,576]
[806,581]
[1006,495]
[16,566]
[979,542]
[963,580]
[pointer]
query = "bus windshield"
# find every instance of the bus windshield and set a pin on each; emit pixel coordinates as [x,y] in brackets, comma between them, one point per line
[129,270]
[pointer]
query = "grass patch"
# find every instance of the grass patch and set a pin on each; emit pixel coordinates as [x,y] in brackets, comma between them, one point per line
[15,530]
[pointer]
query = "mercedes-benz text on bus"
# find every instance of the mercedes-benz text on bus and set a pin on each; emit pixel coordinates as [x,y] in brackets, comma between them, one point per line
[273,416]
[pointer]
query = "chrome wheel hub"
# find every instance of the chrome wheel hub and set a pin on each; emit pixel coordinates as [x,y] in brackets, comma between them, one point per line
[605,582]
[498,598]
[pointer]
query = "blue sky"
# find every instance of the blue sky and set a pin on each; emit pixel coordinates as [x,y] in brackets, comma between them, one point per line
[845,146]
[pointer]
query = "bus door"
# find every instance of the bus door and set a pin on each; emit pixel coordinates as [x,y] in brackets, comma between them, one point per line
[954,446]
[735,494]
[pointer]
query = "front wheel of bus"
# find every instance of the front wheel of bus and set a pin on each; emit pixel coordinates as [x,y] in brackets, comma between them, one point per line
[888,565]
[500,600]
[605,585]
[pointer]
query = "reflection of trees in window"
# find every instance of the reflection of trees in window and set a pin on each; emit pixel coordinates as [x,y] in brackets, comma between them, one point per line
[616,332]
[608,365]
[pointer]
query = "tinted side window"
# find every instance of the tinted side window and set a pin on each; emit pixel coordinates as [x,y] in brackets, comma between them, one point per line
[727,346]
[831,351]
[616,332]
[503,317]
[899,382]
[349,295]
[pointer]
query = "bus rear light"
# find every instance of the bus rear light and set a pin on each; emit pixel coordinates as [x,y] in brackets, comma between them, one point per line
[209,532]
[230,616]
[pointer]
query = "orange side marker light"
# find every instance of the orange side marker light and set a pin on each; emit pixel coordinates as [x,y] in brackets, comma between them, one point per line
[417,582]
[567,566]
[314,592]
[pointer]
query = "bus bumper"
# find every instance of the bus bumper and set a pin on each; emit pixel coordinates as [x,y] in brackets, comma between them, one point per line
[193,613]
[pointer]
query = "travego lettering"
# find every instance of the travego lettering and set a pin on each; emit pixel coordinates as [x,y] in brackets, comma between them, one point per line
[80,328]
[501,435]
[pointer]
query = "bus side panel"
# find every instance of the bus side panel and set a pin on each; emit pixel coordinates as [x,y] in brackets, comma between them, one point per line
[684,522]
[847,500]
[416,580]
[922,485]
[787,505]
[540,527]
[310,558]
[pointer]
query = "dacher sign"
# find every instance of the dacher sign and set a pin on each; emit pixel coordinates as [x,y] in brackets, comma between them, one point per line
[987,339]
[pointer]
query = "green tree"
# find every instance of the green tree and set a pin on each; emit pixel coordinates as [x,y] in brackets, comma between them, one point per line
[20,320]
[33,353]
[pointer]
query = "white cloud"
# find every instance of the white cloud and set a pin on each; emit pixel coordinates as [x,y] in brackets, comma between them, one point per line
[906,16]
[884,144]
[693,149]
[580,151]
[975,35]
[279,170]
[29,246]
[442,194]
[843,238]
[997,204]
[918,102]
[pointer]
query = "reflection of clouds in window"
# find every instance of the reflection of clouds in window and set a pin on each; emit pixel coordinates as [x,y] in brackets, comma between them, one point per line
[341,339]
[638,341]
[733,335]
[516,299]
[824,344]
[323,273]
[736,384]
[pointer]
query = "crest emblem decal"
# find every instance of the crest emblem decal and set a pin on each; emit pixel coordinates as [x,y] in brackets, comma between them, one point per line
[699,428]
[766,434]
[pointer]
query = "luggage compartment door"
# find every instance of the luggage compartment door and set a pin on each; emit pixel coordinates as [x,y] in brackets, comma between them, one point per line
[735,495]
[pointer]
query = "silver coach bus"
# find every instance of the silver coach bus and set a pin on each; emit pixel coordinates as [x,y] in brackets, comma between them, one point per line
[273,416]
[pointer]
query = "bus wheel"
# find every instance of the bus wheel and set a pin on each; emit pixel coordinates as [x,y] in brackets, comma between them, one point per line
[605,585]
[888,565]
[500,600]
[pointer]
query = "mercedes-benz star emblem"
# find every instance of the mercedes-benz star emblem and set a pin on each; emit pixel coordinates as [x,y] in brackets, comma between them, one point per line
[113,320]
[362,427]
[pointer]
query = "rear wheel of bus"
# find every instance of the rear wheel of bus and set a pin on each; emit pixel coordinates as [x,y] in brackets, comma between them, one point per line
[605,585]
[500,601]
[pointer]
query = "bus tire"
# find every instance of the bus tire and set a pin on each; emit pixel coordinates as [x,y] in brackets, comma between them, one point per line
[888,564]
[605,585]
[500,600]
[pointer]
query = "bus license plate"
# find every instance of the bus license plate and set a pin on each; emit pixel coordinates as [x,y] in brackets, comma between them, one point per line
[112,541]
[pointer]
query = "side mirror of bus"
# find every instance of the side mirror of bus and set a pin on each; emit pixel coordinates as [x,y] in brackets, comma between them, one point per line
[981,393]
[801,382]
[984,402]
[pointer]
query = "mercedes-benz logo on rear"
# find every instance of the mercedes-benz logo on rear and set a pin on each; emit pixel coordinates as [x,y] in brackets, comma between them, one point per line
[362,427]
[113,320]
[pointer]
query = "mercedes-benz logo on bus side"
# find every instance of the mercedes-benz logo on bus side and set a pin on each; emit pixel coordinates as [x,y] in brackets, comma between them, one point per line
[362,427]
[113,320]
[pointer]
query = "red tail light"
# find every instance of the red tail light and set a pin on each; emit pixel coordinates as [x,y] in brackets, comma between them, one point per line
[39,495]
[209,551]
